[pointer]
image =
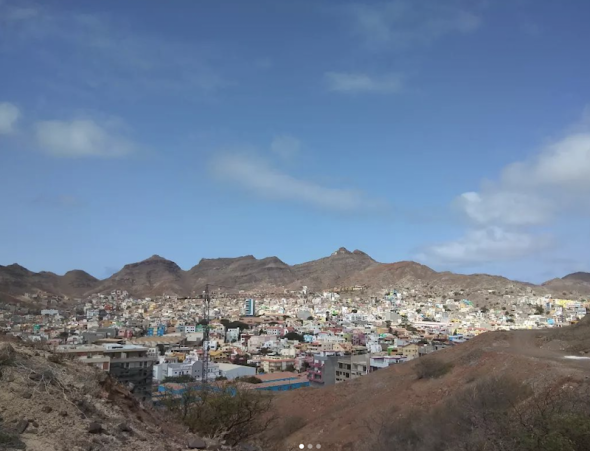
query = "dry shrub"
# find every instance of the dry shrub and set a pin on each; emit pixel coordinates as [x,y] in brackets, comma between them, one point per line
[222,410]
[495,414]
[432,368]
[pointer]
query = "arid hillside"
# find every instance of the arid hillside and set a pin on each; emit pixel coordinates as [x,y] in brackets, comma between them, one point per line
[50,404]
[350,415]
[157,276]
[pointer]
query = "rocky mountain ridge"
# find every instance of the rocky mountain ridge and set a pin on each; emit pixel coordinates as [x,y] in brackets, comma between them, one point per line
[343,268]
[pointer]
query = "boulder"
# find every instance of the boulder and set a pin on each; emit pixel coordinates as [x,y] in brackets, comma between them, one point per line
[7,353]
[196,443]
[35,377]
[22,426]
[124,427]
[46,409]
[95,428]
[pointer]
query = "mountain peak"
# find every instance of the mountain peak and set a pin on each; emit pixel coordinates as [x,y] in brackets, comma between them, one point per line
[17,267]
[581,276]
[155,258]
[342,251]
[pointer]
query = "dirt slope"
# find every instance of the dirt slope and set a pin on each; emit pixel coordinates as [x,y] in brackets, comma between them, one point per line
[339,416]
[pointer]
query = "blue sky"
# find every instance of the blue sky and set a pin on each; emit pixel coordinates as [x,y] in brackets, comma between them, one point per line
[454,133]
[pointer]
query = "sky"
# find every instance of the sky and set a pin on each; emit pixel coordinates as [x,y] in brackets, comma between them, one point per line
[455,134]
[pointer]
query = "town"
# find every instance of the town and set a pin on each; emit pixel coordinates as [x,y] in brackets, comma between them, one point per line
[270,342]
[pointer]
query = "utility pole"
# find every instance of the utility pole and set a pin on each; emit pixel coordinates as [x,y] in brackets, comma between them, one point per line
[206,305]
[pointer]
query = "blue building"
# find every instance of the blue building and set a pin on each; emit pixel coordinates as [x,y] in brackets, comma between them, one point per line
[250,307]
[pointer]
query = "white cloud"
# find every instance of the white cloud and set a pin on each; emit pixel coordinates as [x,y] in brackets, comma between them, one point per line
[9,115]
[357,82]
[485,245]
[504,207]
[529,192]
[260,178]
[404,23]
[285,146]
[80,138]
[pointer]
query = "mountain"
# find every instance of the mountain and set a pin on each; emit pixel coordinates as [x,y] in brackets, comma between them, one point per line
[391,275]
[578,276]
[17,280]
[240,273]
[332,271]
[575,283]
[159,276]
[149,277]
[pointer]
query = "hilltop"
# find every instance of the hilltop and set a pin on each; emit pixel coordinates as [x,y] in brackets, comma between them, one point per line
[156,276]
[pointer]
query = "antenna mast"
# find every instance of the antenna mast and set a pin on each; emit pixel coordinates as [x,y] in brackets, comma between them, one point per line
[206,305]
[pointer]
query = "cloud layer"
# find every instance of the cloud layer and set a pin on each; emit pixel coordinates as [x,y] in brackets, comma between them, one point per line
[99,54]
[285,146]
[258,177]
[359,82]
[485,245]
[9,115]
[531,192]
[80,138]
[400,24]
[506,214]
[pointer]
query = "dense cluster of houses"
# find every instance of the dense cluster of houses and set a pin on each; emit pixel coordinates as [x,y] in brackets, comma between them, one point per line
[270,343]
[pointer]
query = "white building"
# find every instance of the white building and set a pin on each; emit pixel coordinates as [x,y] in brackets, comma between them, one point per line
[234,371]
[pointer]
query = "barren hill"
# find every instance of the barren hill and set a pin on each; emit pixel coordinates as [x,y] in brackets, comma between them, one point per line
[16,280]
[575,283]
[158,276]
[347,416]
[240,273]
[148,277]
[332,271]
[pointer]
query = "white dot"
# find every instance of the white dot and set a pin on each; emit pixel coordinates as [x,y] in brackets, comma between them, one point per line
[310,446]
[318,446]
[301,446]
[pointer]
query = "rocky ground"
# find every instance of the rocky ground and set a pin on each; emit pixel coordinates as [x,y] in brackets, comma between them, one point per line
[49,404]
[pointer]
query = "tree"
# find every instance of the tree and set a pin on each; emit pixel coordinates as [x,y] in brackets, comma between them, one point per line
[539,310]
[294,336]
[222,410]
[184,378]
[485,310]
[161,349]
[310,318]
[249,379]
